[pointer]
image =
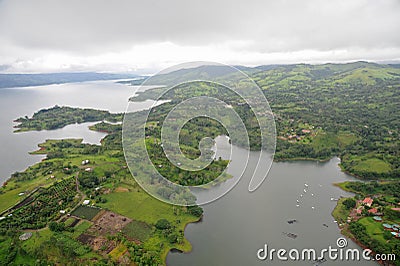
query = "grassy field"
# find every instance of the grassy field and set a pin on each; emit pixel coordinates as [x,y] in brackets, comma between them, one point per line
[340,213]
[343,186]
[137,230]
[37,239]
[142,207]
[10,196]
[324,141]
[138,205]
[374,229]
[372,165]
[86,212]
[346,138]
[366,76]
[80,228]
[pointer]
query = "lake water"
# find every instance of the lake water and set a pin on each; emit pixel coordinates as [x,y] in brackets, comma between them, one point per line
[235,226]
[17,102]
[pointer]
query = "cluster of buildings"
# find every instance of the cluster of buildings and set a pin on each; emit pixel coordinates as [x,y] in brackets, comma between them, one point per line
[393,228]
[367,202]
[292,136]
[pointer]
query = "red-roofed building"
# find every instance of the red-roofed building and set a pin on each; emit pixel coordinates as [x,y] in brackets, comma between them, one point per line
[373,210]
[396,209]
[368,201]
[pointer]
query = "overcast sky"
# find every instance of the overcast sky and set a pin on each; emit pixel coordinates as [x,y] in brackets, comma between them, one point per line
[147,35]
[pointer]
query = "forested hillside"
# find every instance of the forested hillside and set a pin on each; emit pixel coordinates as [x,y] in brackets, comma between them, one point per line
[350,110]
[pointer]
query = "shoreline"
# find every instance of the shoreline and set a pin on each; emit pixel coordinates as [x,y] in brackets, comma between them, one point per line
[304,159]
[344,231]
[43,152]
[168,250]
[189,249]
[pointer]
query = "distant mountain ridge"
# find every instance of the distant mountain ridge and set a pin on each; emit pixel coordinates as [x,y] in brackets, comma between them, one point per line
[314,72]
[25,80]
[361,71]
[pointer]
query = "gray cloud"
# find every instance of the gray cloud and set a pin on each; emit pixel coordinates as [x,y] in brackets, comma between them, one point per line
[29,29]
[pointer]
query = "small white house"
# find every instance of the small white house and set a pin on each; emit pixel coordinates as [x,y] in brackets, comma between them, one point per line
[62,211]
[86,202]
[85,162]
[88,169]
[21,194]
[25,236]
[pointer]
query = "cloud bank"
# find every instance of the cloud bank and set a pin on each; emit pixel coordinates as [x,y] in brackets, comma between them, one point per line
[123,35]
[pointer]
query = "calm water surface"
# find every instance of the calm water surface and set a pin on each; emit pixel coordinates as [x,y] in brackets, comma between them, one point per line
[235,226]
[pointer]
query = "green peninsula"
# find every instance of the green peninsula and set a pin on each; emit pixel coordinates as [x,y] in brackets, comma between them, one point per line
[81,206]
[372,217]
[59,117]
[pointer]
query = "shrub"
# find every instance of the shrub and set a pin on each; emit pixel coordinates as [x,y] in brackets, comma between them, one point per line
[163,224]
